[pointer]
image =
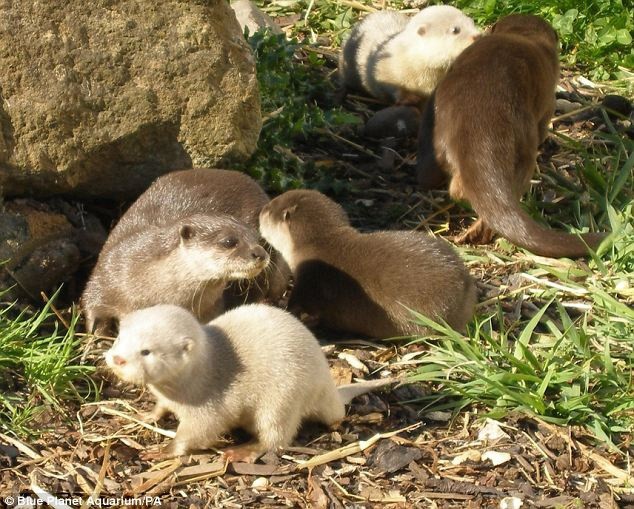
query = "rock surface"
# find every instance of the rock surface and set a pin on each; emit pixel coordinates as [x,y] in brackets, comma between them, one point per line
[393,122]
[42,245]
[98,98]
[251,17]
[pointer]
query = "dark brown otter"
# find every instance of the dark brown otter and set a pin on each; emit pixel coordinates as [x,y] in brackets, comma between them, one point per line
[365,282]
[189,235]
[484,125]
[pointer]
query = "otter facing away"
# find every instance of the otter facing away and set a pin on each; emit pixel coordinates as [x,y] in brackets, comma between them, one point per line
[483,127]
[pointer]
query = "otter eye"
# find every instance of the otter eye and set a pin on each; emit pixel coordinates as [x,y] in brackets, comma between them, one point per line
[229,242]
[421,30]
[455,30]
[145,353]
[187,232]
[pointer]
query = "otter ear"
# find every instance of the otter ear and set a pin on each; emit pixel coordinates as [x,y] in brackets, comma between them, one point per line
[286,215]
[187,232]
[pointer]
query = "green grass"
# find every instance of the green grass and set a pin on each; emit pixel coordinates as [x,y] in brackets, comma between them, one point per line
[596,35]
[570,363]
[292,83]
[39,366]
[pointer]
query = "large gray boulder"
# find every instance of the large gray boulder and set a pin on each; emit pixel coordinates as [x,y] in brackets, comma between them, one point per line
[98,98]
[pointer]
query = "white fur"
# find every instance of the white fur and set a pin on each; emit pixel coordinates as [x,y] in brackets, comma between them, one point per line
[256,367]
[391,57]
[420,61]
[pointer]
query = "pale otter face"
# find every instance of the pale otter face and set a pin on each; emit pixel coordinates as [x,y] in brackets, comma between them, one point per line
[154,345]
[441,33]
[219,248]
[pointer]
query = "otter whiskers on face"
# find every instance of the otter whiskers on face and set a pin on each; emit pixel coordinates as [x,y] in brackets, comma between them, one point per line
[187,237]
[188,263]
[396,58]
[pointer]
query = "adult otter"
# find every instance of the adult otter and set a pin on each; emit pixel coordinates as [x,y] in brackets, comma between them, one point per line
[484,125]
[189,235]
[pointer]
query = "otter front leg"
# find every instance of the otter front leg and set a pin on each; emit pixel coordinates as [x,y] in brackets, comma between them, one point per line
[156,414]
[188,440]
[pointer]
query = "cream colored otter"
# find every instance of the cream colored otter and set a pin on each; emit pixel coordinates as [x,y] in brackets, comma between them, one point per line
[255,367]
[397,58]
[364,282]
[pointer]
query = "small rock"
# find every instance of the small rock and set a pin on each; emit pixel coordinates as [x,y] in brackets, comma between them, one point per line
[249,16]
[260,483]
[42,246]
[470,455]
[389,457]
[511,503]
[565,106]
[393,122]
[491,431]
[497,458]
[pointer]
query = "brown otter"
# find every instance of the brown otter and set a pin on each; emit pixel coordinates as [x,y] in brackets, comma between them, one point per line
[484,125]
[255,367]
[398,58]
[181,242]
[364,282]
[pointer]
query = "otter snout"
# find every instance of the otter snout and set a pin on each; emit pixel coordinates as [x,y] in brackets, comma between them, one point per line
[259,254]
[118,361]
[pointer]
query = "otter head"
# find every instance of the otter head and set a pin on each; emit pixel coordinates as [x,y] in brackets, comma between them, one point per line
[438,34]
[527,25]
[300,217]
[155,345]
[218,248]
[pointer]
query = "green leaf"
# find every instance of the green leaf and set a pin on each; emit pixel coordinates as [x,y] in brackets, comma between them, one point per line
[624,37]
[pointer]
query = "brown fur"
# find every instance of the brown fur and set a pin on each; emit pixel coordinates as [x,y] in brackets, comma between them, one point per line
[141,263]
[487,118]
[364,282]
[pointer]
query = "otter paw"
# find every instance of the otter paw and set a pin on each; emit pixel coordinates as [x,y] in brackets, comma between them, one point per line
[247,453]
[154,416]
[156,454]
[477,234]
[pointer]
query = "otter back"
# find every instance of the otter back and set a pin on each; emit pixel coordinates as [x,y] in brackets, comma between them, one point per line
[491,112]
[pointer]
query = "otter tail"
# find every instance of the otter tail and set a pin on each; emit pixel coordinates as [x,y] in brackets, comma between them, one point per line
[350,391]
[503,214]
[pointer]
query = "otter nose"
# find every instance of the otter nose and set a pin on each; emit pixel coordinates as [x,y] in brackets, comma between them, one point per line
[259,254]
[118,361]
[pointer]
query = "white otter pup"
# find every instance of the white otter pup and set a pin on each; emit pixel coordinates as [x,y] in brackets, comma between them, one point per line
[401,59]
[255,367]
